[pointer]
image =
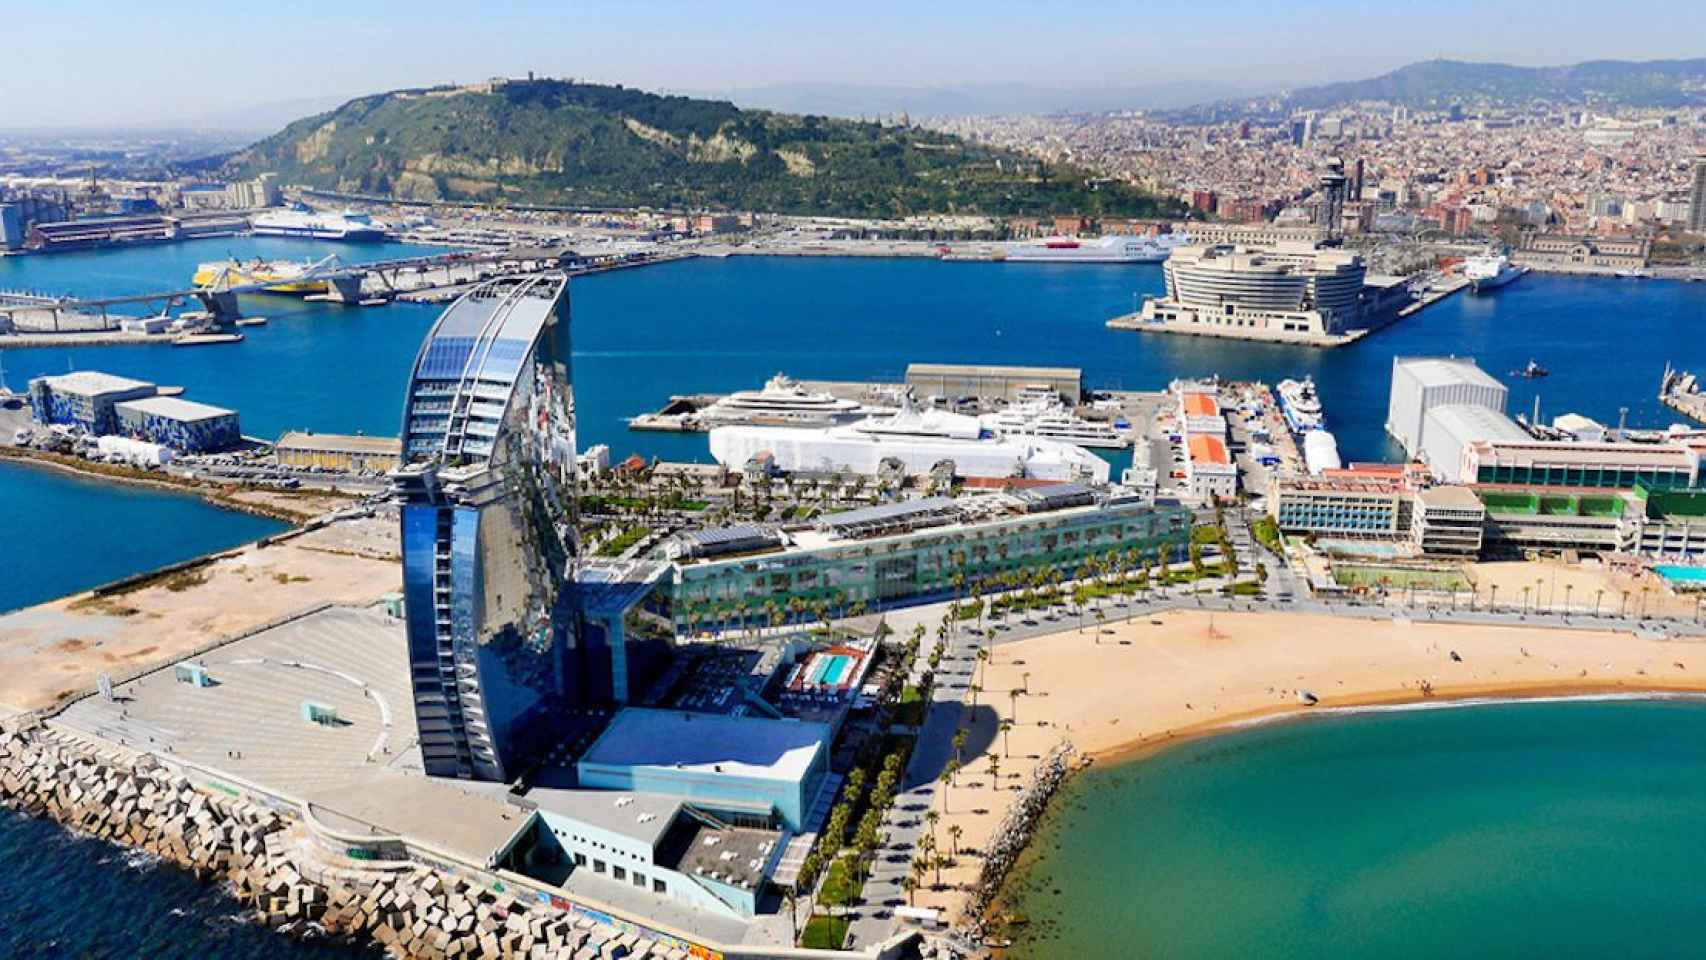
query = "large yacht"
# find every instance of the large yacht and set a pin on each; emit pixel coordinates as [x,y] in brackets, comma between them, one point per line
[1490,270]
[280,276]
[783,402]
[1115,249]
[1301,405]
[304,221]
[1042,414]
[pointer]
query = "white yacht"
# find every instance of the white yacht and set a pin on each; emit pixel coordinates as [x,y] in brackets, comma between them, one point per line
[1042,414]
[1300,403]
[303,221]
[1490,270]
[783,402]
[1114,249]
[918,440]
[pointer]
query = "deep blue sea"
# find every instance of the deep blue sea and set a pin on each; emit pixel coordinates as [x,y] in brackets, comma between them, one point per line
[717,325]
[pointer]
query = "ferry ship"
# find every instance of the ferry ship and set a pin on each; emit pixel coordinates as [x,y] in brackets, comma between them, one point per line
[1301,405]
[1116,249]
[783,402]
[303,221]
[281,276]
[1490,270]
[1042,414]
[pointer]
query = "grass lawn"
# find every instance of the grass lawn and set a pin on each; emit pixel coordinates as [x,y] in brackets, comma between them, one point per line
[1398,578]
[825,933]
[910,710]
[839,886]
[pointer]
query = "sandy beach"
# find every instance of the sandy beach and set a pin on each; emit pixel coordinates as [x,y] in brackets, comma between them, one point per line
[1142,685]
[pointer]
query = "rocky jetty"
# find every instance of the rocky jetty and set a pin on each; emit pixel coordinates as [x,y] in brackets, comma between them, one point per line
[273,867]
[1014,832]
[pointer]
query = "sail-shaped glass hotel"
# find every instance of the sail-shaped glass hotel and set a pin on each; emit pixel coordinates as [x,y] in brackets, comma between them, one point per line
[486,489]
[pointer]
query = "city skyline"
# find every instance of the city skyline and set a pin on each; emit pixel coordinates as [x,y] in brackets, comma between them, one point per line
[747,47]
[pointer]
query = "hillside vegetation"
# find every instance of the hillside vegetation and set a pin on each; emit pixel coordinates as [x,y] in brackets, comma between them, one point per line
[576,144]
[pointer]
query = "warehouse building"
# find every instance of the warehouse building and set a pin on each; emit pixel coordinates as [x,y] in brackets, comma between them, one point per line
[1420,384]
[84,398]
[183,425]
[954,380]
[342,453]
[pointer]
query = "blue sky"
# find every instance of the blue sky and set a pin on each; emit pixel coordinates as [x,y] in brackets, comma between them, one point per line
[101,61]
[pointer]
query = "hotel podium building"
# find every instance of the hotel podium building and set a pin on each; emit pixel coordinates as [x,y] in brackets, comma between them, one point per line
[486,492]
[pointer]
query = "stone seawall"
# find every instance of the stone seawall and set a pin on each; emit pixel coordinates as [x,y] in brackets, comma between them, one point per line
[1014,833]
[270,865]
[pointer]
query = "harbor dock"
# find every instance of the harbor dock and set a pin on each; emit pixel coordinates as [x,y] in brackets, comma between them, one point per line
[1681,391]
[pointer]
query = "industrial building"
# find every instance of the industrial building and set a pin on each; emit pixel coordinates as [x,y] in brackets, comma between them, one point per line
[912,552]
[953,380]
[487,508]
[1449,430]
[341,453]
[1421,383]
[85,398]
[183,425]
[1524,461]
[1560,252]
[1287,288]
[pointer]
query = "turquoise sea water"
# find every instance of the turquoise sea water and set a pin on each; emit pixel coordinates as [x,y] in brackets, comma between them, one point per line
[1536,830]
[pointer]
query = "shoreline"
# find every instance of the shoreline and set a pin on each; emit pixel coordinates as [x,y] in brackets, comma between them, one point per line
[1132,690]
[216,495]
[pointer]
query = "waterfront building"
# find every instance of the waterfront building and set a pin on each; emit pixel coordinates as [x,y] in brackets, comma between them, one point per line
[302,450]
[1289,288]
[12,234]
[1249,234]
[1449,430]
[84,398]
[1563,252]
[954,380]
[486,491]
[1525,461]
[1210,474]
[183,425]
[1340,506]
[1421,383]
[1697,196]
[912,552]
[1447,521]
[759,771]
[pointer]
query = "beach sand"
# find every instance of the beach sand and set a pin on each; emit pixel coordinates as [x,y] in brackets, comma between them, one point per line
[1156,681]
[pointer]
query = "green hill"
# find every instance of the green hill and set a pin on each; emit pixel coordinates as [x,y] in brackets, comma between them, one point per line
[576,144]
[1435,83]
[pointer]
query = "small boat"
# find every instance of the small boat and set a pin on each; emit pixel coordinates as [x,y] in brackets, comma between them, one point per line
[1633,275]
[251,321]
[1533,371]
[205,339]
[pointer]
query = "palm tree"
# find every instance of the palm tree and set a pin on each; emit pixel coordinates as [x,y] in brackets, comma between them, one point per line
[791,893]
[954,832]
[974,689]
[994,770]
[1013,708]
[909,883]
[1006,741]
[931,817]
[946,780]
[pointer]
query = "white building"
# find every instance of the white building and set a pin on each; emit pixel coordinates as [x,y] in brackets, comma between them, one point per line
[1447,430]
[918,440]
[1422,383]
[1288,288]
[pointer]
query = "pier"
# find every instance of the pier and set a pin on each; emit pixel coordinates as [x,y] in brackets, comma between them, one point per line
[1681,391]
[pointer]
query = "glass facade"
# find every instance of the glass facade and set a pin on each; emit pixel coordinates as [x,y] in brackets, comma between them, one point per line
[1589,475]
[923,565]
[487,497]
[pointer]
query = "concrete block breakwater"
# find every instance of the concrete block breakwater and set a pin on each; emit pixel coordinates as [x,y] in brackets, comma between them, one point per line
[411,910]
[1013,834]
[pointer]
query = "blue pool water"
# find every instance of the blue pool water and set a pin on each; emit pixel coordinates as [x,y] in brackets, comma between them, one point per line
[1682,574]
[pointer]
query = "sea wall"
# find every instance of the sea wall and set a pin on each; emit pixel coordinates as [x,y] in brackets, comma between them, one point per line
[1014,831]
[270,865]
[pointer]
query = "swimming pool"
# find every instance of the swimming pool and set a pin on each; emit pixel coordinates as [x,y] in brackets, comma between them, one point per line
[830,670]
[1677,574]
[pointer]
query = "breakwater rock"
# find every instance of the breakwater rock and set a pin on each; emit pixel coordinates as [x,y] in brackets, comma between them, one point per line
[1014,832]
[273,867]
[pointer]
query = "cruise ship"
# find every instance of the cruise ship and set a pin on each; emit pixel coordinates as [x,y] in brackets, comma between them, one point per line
[1490,270]
[918,440]
[303,221]
[783,402]
[1116,249]
[1042,414]
[281,276]
[1301,405]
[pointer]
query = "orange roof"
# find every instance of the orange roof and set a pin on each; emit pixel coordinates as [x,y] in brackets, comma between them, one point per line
[1206,448]
[1201,405]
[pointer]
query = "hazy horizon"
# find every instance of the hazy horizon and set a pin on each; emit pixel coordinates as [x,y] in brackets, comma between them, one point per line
[97,63]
